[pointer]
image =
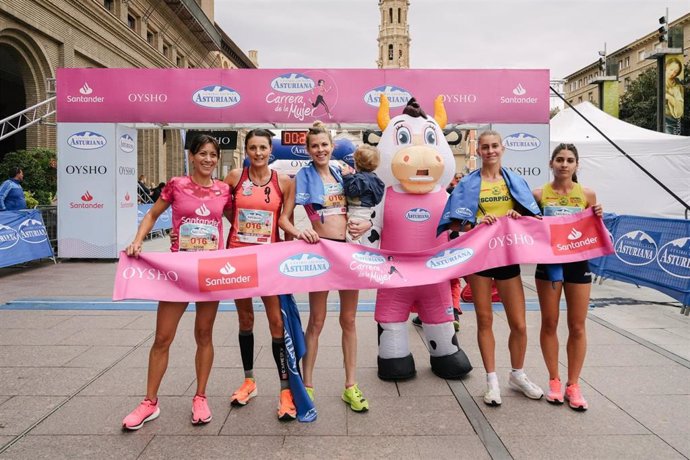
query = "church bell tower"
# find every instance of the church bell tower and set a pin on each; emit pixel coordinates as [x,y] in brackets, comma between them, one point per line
[394,35]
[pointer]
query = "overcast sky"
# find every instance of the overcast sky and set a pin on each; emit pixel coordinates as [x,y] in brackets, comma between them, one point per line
[560,35]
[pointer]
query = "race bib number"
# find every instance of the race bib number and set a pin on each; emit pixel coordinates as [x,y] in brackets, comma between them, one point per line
[198,237]
[334,200]
[254,226]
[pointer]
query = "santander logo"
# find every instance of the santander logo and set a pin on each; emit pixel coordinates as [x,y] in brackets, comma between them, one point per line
[127,197]
[567,239]
[574,235]
[227,273]
[519,90]
[202,211]
[227,269]
[87,202]
[86,89]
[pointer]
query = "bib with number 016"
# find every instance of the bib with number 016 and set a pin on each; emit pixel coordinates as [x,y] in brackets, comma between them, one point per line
[198,237]
[254,226]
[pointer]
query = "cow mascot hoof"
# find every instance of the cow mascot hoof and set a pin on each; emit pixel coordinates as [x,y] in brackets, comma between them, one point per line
[396,368]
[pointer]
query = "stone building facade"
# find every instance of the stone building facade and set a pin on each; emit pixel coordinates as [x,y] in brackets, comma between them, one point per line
[626,63]
[38,36]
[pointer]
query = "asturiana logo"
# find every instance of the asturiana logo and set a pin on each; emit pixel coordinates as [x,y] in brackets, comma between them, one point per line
[519,97]
[32,231]
[396,95]
[300,151]
[463,212]
[369,258]
[304,266]
[86,140]
[8,237]
[293,83]
[449,258]
[216,97]
[127,144]
[521,142]
[254,216]
[417,215]
[636,248]
[674,258]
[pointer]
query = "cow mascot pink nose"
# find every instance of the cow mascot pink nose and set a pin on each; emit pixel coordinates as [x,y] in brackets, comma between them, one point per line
[416,165]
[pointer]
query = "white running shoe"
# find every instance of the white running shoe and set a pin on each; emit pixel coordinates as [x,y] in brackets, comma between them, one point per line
[492,397]
[527,387]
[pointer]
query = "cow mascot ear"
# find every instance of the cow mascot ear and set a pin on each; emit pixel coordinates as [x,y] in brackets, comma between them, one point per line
[416,166]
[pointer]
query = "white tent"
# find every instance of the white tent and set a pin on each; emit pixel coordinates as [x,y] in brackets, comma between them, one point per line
[621,187]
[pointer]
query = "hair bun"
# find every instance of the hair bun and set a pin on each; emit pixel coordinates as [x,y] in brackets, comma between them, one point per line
[318,124]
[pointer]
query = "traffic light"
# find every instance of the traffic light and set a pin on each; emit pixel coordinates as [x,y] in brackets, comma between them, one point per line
[663,30]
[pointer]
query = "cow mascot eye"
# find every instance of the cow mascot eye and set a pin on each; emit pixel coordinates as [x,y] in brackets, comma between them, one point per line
[403,136]
[430,135]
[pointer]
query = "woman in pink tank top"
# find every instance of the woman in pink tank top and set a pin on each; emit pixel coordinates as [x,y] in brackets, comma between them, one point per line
[329,222]
[199,203]
[258,202]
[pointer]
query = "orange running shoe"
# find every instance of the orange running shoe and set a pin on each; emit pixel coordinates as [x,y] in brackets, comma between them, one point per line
[286,409]
[244,393]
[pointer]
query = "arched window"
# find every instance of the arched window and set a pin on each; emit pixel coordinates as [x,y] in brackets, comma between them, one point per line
[399,19]
[390,52]
[390,15]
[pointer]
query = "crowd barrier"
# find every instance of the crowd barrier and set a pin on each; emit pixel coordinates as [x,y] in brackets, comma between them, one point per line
[164,221]
[23,237]
[649,252]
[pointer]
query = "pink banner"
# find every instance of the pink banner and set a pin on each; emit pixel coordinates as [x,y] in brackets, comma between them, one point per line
[293,267]
[295,96]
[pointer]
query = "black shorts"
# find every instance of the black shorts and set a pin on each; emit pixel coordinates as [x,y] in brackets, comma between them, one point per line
[573,272]
[501,273]
[333,239]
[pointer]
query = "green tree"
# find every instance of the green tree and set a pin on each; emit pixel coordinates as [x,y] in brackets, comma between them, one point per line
[638,104]
[40,173]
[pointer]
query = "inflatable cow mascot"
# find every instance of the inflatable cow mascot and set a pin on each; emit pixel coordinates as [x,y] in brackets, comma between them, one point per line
[416,166]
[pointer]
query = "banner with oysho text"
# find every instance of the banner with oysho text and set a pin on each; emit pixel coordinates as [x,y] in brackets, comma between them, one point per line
[297,96]
[23,237]
[296,266]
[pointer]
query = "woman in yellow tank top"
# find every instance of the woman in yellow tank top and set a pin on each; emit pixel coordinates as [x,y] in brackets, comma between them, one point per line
[565,196]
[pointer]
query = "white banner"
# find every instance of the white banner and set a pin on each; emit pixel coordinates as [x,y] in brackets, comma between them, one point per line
[526,151]
[91,189]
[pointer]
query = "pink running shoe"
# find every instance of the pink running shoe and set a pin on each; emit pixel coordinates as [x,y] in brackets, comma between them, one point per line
[574,397]
[200,411]
[146,411]
[555,394]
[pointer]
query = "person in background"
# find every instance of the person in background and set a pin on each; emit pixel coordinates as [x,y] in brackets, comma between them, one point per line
[156,192]
[363,189]
[481,198]
[564,196]
[11,191]
[143,191]
[319,188]
[190,197]
[258,202]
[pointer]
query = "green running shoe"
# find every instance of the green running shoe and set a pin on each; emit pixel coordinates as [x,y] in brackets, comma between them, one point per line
[354,397]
